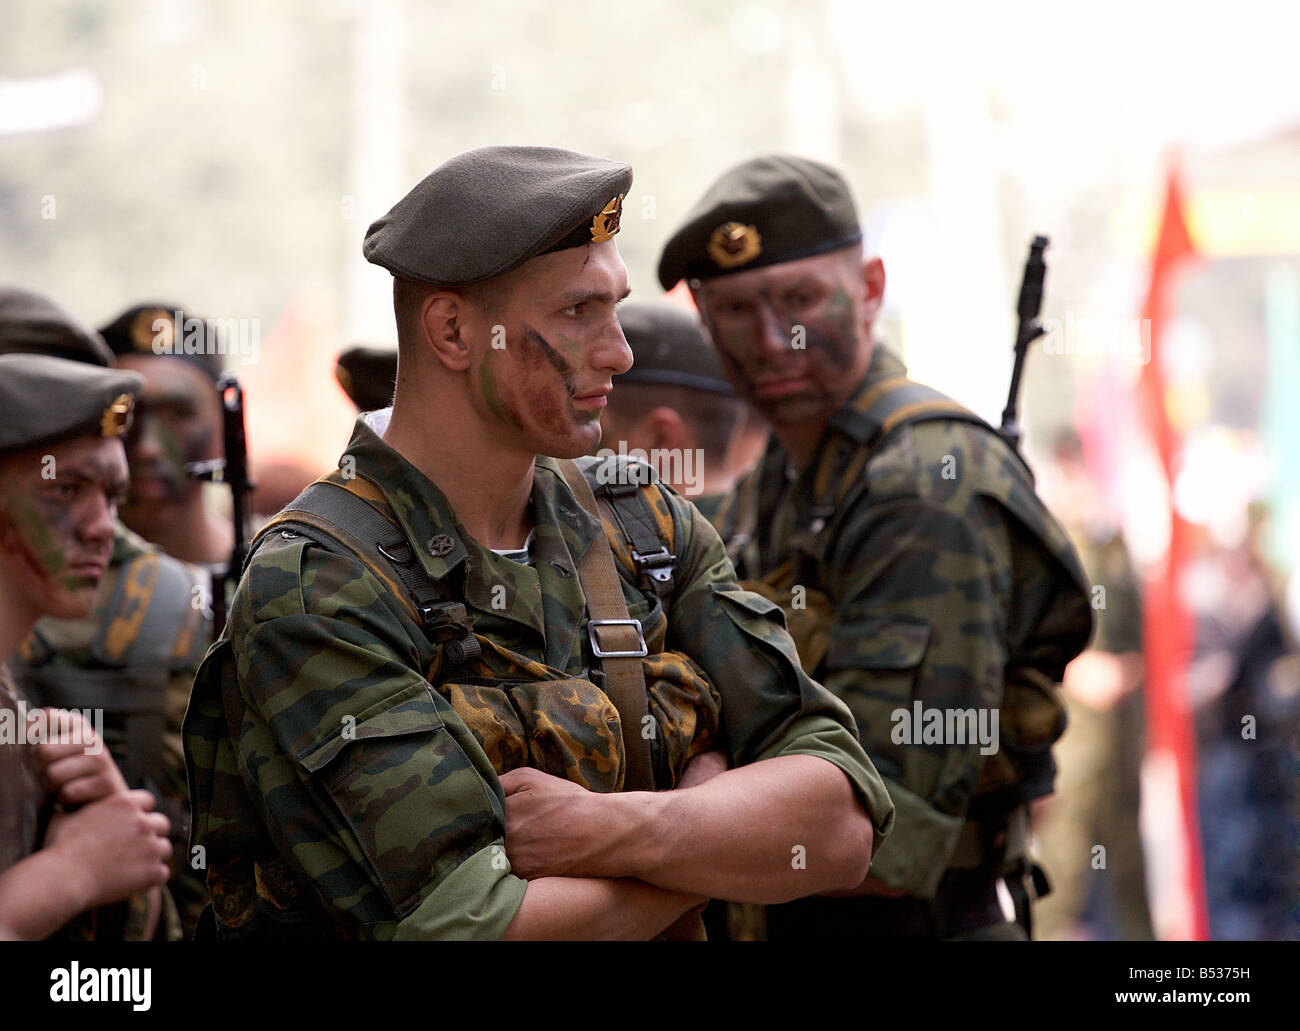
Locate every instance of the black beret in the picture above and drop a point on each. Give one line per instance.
(161, 329)
(668, 346)
(31, 323)
(44, 400)
(489, 210)
(768, 210)
(367, 375)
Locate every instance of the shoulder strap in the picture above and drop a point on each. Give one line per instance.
(895, 402)
(616, 639)
(647, 533)
(330, 515)
(887, 406)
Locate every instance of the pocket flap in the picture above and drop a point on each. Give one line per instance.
(415, 715)
(748, 600)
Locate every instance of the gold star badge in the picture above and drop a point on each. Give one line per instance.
(605, 225)
(143, 333)
(733, 244)
(117, 416)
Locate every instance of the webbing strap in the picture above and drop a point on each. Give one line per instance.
(651, 554)
(616, 639)
(332, 510)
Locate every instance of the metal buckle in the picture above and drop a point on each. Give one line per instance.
(397, 552)
(658, 564)
(602, 654)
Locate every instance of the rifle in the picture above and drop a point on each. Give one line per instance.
(233, 471)
(1027, 331)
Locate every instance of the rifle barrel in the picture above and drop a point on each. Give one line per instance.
(1028, 330)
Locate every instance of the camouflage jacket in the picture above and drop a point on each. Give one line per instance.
(134, 656)
(22, 793)
(345, 780)
(945, 585)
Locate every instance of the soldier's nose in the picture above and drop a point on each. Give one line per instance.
(613, 353)
(97, 526)
(772, 333)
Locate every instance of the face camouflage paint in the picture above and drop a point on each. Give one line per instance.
(491, 398)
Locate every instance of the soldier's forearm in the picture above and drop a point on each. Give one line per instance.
(768, 832)
(39, 895)
(569, 908)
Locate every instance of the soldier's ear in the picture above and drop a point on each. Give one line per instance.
(664, 427)
(440, 323)
(873, 282)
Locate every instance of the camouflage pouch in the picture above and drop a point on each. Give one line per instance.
(523, 713)
(687, 710)
(565, 727)
(1032, 719)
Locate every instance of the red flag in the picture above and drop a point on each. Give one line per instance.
(1167, 620)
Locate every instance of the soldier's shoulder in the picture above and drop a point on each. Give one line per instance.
(291, 574)
(966, 468)
(943, 461)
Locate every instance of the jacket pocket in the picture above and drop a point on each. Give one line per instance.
(886, 644)
(415, 804)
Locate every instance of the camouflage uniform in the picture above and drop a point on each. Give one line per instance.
(344, 772)
(135, 657)
(939, 579)
(22, 794)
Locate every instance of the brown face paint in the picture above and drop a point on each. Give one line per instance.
(57, 529)
(553, 414)
(177, 422)
(825, 360)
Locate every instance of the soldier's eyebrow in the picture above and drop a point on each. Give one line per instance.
(585, 296)
(169, 397)
(94, 473)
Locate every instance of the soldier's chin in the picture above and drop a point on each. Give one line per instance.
(72, 601)
(794, 410)
(582, 442)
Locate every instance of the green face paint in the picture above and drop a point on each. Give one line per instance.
(492, 399)
(571, 348)
(37, 529)
(839, 309)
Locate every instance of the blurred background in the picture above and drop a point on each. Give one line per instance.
(228, 155)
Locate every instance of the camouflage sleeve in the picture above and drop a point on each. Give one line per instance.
(366, 778)
(919, 600)
(770, 707)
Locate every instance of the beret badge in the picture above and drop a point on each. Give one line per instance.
(117, 416)
(733, 244)
(605, 224)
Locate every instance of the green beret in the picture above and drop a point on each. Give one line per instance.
(159, 328)
(44, 400)
(668, 346)
(768, 210)
(33, 324)
(367, 375)
(487, 211)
